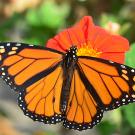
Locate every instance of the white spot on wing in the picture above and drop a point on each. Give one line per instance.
(18, 44)
(123, 66)
(132, 70)
(31, 45)
(8, 44)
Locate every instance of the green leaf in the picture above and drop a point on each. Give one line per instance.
(115, 117)
(130, 56)
(106, 128)
(34, 41)
(52, 14)
(32, 17)
(129, 114)
(105, 18)
(124, 28)
(49, 14)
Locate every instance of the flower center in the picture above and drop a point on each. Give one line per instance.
(88, 51)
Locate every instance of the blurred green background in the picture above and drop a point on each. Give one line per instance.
(35, 21)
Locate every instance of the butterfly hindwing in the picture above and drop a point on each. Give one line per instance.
(113, 83)
(40, 101)
(82, 110)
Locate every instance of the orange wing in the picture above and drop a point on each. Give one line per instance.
(19, 61)
(82, 110)
(112, 83)
(41, 100)
(28, 69)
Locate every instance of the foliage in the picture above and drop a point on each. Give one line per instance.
(106, 128)
(49, 14)
(129, 113)
(130, 56)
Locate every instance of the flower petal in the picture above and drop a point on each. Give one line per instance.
(85, 24)
(112, 47)
(61, 41)
(103, 41)
(115, 44)
(64, 40)
(97, 36)
(72, 36)
(116, 57)
(54, 44)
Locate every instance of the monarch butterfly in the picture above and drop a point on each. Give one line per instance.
(54, 86)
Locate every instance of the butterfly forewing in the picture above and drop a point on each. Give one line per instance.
(113, 83)
(21, 62)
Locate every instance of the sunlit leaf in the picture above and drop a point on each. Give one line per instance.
(129, 114)
(33, 18)
(106, 128)
(130, 56)
(54, 15)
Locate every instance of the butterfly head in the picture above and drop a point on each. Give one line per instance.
(71, 56)
(71, 53)
(73, 50)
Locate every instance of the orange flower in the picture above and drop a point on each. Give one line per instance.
(91, 40)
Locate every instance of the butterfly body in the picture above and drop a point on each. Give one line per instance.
(69, 64)
(54, 86)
